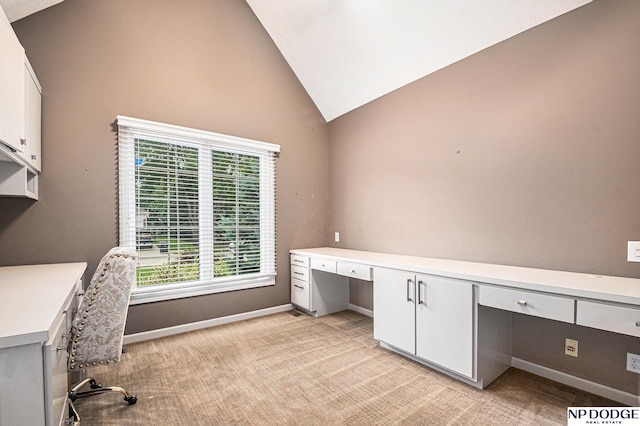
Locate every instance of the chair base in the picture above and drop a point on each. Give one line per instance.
(95, 389)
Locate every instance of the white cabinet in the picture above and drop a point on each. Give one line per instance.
(427, 316)
(20, 118)
(55, 358)
(31, 140)
(36, 309)
(11, 86)
(300, 282)
(316, 288)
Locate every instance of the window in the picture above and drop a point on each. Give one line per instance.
(199, 207)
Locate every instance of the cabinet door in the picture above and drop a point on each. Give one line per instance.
(394, 295)
(11, 86)
(444, 323)
(32, 119)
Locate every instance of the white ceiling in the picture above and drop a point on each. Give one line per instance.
(347, 53)
(18, 9)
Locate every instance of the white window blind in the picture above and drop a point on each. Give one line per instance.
(199, 207)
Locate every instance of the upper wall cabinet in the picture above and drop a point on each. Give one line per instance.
(11, 86)
(20, 118)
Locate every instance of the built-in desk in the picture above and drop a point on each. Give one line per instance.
(37, 304)
(429, 309)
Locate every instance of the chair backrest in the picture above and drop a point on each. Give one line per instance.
(98, 327)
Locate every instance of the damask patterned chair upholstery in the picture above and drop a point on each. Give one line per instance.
(98, 327)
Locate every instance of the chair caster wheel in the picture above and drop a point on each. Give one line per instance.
(131, 400)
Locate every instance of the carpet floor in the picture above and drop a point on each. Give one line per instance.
(299, 370)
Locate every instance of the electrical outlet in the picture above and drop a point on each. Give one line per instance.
(571, 347)
(633, 363)
(633, 251)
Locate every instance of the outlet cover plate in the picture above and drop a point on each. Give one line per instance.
(633, 251)
(571, 347)
(633, 362)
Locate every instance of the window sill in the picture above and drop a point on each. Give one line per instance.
(198, 288)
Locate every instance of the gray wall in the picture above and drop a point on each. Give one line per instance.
(206, 64)
(524, 154)
(527, 153)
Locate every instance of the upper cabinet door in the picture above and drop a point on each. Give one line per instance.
(32, 119)
(11, 86)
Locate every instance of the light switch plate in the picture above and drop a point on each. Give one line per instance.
(633, 251)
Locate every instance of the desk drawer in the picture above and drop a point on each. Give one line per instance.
(354, 270)
(298, 260)
(300, 293)
(614, 318)
(529, 303)
(299, 273)
(324, 265)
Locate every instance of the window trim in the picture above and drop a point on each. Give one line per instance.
(130, 129)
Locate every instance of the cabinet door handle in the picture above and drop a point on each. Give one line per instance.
(300, 287)
(23, 141)
(637, 323)
(420, 301)
(522, 302)
(409, 281)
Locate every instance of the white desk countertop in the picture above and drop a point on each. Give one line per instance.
(599, 287)
(31, 297)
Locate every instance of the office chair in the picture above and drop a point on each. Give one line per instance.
(97, 330)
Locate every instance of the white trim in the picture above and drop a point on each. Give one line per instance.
(577, 382)
(183, 328)
(361, 310)
(194, 134)
(132, 129)
(126, 190)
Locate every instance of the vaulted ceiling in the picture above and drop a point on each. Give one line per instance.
(347, 53)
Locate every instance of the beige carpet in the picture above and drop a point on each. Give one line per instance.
(286, 369)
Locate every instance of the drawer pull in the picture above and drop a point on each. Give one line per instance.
(637, 323)
(522, 302)
(353, 271)
(298, 261)
(300, 287)
(298, 273)
(61, 348)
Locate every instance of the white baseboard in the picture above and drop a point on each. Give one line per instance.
(361, 310)
(577, 382)
(183, 328)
